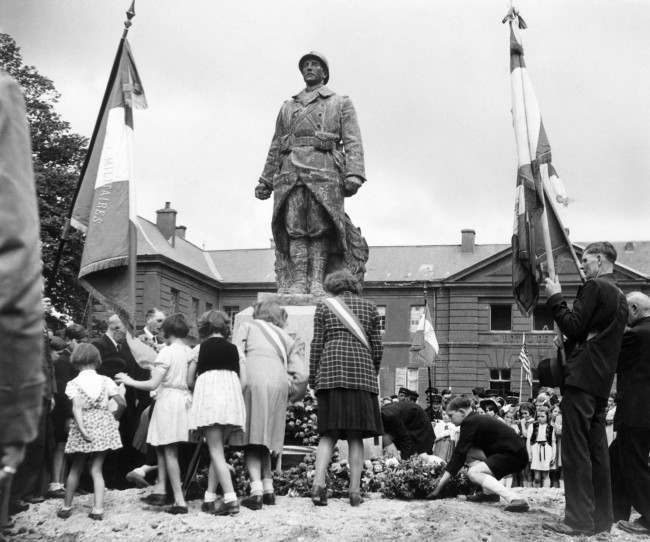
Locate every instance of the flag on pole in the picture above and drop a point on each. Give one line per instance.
(538, 185)
(425, 344)
(525, 362)
(105, 206)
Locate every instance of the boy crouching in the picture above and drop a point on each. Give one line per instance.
(486, 437)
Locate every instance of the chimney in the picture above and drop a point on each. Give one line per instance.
(467, 241)
(166, 222)
(180, 231)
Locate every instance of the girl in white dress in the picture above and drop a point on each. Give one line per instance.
(169, 423)
(94, 430)
(218, 404)
(541, 448)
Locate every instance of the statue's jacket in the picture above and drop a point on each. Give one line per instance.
(318, 145)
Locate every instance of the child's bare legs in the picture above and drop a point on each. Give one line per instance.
(98, 482)
(544, 479)
(72, 483)
(159, 487)
(538, 478)
(214, 438)
(58, 464)
(174, 473)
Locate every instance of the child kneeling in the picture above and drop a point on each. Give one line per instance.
(499, 447)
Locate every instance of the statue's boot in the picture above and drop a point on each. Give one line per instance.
(318, 253)
(299, 253)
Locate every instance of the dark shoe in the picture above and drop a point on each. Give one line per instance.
(55, 493)
(355, 498)
(483, 497)
(155, 499)
(208, 507)
(562, 528)
(227, 508)
(268, 498)
(517, 505)
(137, 479)
(633, 527)
(176, 509)
(253, 502)
(16, 507)
(64, 513)
(97, 516)
(319, 495)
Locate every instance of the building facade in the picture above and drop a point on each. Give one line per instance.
(467, 288)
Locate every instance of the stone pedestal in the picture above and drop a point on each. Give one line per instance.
(300, 323)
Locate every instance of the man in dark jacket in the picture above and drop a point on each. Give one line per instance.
(629, 451)
(407, 429)
(594, 330)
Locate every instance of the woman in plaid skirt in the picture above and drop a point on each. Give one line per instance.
(343, 369)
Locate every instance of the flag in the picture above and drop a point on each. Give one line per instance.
(533, 192)
(105, 207)
(425, 344)
(525, 363)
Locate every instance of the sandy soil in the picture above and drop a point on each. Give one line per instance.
(296, 519)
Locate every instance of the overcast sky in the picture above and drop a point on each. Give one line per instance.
(430, 83)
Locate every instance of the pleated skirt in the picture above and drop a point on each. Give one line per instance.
(345, 413)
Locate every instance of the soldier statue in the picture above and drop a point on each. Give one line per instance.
(315, 160)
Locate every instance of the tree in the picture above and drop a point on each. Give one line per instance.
(58, 155)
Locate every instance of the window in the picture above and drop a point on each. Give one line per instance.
(414, 319)
(381, 309)
(195, 308)
(406, 377)
(500, 317)
(542, 318)
(500, 381)
(208, 306)
(231, 311)
(175, 301)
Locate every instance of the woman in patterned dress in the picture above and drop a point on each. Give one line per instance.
(94, 430)
(343, 372)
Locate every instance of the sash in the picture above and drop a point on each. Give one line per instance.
(347, 318)
(274, 338)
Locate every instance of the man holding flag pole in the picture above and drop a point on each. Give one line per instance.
(594, 326)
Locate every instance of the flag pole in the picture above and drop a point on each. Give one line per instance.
(109, 85)
(521, 369)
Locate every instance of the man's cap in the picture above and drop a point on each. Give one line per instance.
(404, 391)
(414, 394)
(321, 58)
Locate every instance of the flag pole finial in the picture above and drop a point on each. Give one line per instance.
(129, 15)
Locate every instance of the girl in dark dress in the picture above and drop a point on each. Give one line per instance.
(343, 372)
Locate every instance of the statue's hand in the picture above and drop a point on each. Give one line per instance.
(351, 185)
(262, 191)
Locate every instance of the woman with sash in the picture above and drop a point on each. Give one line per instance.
(276, 372)
(344, 362)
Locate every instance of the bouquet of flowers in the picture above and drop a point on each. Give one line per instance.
(302, 422)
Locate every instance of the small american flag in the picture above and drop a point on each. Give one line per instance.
(525, 363)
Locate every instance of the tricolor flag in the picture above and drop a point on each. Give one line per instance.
(105, 206)
(525, 363)
(535, 190)
(425, 344)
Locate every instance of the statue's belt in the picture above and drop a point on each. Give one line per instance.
(322, 141)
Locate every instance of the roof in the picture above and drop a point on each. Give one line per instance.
(386, 263)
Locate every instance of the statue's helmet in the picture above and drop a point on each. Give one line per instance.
(321, 58)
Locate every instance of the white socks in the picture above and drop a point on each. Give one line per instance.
(230, 497)
(209, 497)
(267, 485)
(256, 488)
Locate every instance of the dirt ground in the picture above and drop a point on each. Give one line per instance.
(296, 519)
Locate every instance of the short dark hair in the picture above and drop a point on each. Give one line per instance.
(150, 313)
(458, 403)
(84, 355)
(176, 326)
(214, 321)
(76, 331)
(604, 248)
(341, 281)
(57, 344)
